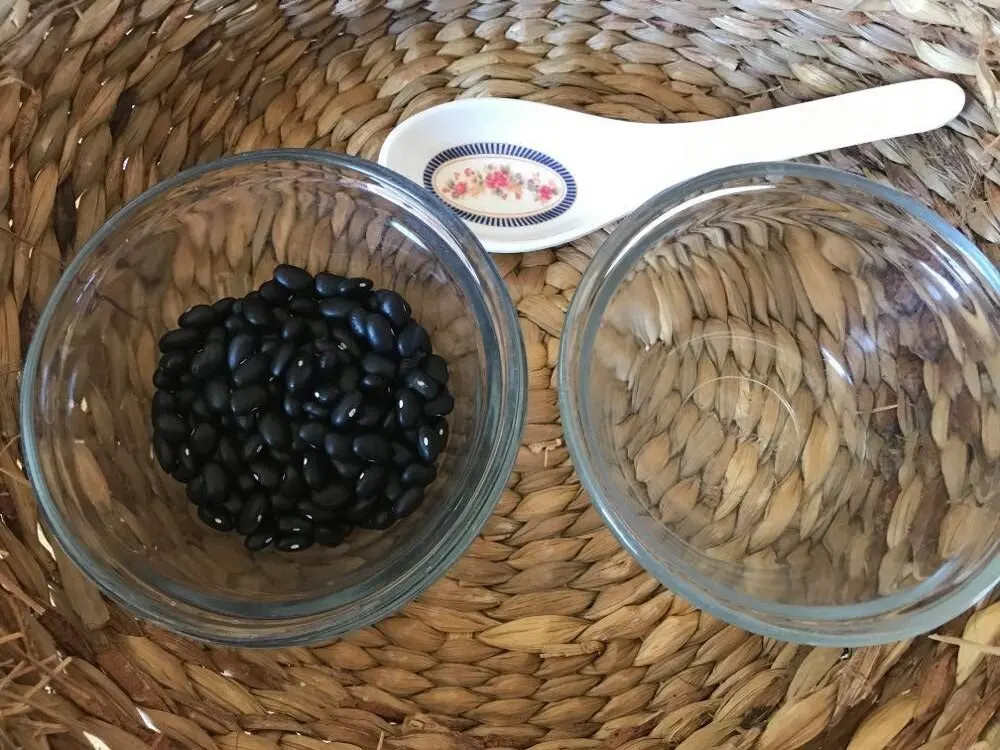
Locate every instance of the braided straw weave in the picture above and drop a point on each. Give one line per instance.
(546, 633)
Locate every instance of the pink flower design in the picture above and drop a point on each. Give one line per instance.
(503, 182)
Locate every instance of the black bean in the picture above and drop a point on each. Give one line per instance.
(321, 333)
(305, 308)
(253, 370)
(437, 368)
(410, 436)
(376, 364)
(174, 429)
(408, 407)
(348, 470)
(394, 307)
(180, 339)
(362, 507)
(199, 316)
(349, 379)
(294, 524)
(379, 331)
(283, 503)
(185, 398)
(372, 448)
(388, 424)
(257, 313)
(418, 475)
(187, 466)
(292, 406)
(274, 429)
(163, 379)
(216, 482)
(371, 415)
(174, 362)
(273, 293)
(267, 474)
(402, 456)
(357, 320)
(393, 486)
(216, 393)
(282, 456)
(227, 454)
(298, 445)
(329, 362)
(332, 496)
(253, 446)
(224, 306)
(259, 540)
(441, 405)
(293, 542)
(200, 410)
(299, 374)
(380, 520)
(294, 329)
(312, 433)
(408, 502)
(241, 347)
(166, 453)
(428, 443)
(248, 399)
(203, 439)
(316, 410)
(373, 384)
(208, 360)
(236, 325)
(371, 481)
(336, 308)
(218, 333)
(327, 284)
(246, 483)
(292, 483)
(315, 469)
(337, 445)
(270, 345)
(412, 339)
(293, 278)
(422, 384)
(357, 286)
(163, 402)
(195, 490)
(216, 517)
(440, 426)
(246, 422)
(308, 509)
(346, 409)
(326, 394)
(252, 514)
(233, 504)
(281, 357)
(328, 536)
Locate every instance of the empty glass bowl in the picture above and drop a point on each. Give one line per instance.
(219, 230)
(780, 387)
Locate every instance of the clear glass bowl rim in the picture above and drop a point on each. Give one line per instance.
(831, 625)
(374, 603)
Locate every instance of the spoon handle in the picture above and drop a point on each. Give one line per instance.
(835, 122)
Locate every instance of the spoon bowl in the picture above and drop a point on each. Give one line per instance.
(527, 176)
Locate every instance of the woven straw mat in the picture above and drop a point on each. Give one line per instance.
(546, 634)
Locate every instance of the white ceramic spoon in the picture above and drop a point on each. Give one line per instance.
(527, 176)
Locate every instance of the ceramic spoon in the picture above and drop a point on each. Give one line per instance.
(527, 176)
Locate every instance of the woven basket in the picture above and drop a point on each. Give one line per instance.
(546, 634)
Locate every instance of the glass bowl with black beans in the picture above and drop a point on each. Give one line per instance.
(273, 398)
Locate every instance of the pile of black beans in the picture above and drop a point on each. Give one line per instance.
(308, 408)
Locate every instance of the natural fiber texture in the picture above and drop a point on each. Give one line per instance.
(546, 633)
